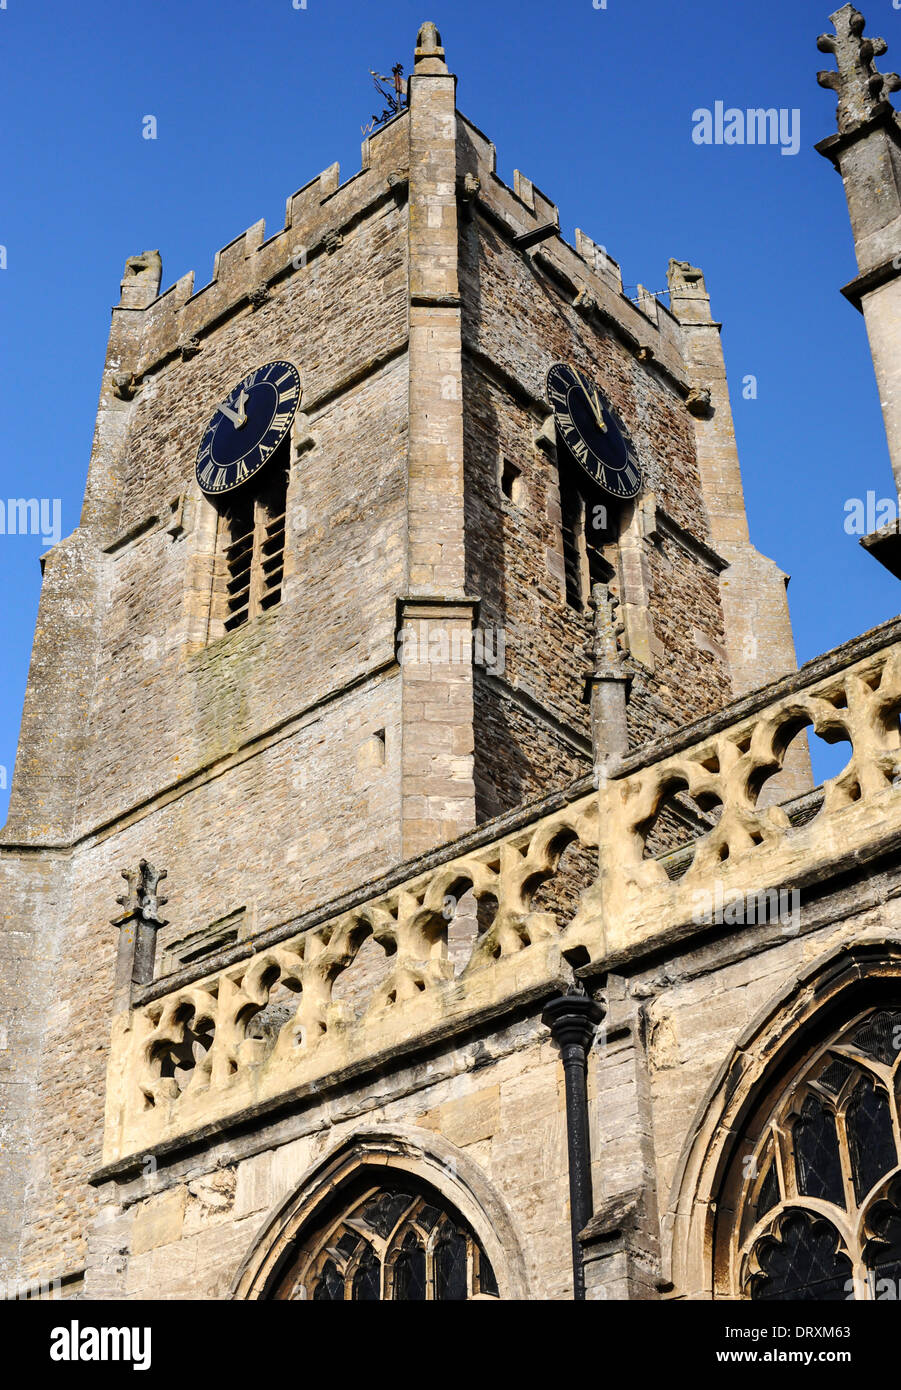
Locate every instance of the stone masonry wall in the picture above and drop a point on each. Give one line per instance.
(517, 322)
(263, 769)
(266, 770)
(346, 504)
(498, 1100)
(275, 833)
(695, 1009)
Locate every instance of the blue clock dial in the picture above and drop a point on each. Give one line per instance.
(248, 427)
(592, 432)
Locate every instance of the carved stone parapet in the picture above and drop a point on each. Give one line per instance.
(189, 1056)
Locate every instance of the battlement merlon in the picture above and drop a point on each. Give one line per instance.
(140, 284)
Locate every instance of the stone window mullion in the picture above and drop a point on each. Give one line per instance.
(256, 568)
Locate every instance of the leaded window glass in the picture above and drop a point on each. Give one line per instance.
(818, 1162)
(800, 1259)
(396, 1242)
(813, 1202)
(410, 1271)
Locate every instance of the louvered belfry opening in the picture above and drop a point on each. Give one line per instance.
(589, 521)
(250, 559)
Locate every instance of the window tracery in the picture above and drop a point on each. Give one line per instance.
(817, 1185)
(395, 1241)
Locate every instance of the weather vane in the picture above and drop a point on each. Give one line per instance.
(396, 98)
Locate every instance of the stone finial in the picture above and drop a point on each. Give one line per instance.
(429, 55)
(140, 284)
(130, 900)
(685, 278)
(862, 91)
(141, 898)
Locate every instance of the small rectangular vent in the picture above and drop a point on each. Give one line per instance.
(198, 945)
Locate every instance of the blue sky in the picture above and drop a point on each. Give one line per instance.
(593, 104)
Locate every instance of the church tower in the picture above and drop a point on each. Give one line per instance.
(400, 536)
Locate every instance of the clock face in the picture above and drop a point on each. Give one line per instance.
(592, 432)
(247, 427)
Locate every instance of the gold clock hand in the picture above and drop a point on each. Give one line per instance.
(594, 401)
(238, 417)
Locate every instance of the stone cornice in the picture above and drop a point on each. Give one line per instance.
(834, 146)
(857, 290)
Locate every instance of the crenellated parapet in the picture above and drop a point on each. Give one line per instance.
(273, 1021)
(319, 214)
(316, 218)
(591, 277)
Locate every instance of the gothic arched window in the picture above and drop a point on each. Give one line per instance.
(388, 1240)
(814, 1193)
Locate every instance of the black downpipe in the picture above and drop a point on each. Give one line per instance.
(573, 1021)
